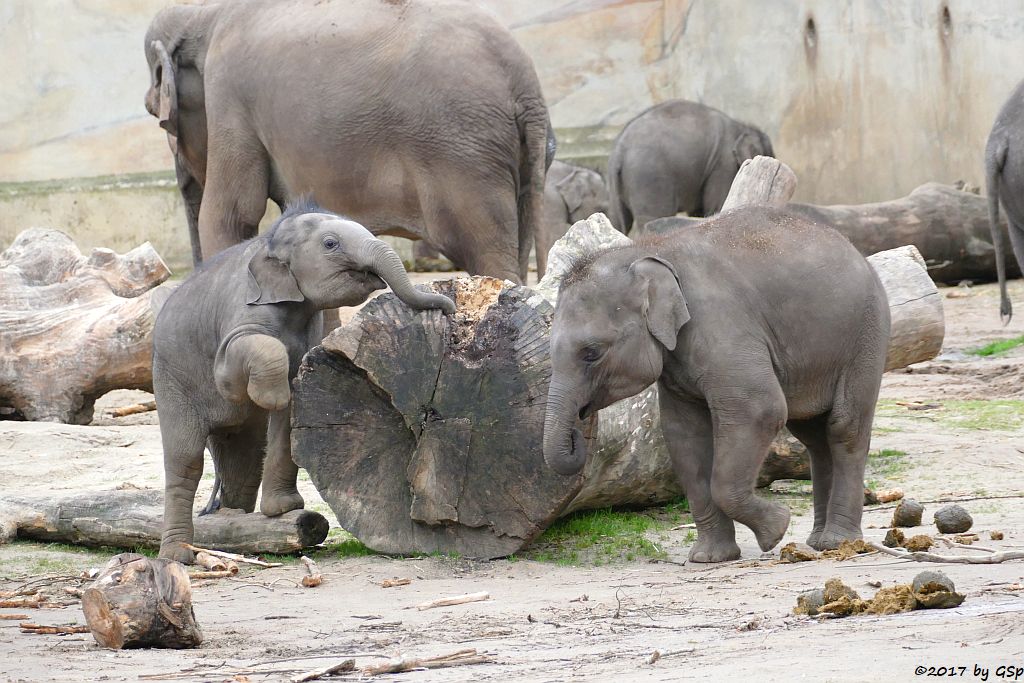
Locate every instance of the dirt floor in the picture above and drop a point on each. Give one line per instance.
(629, 620)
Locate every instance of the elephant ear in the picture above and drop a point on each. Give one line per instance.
(168, 91)
(571, 190)
(663, 305)
(747, 146)
(270, 280)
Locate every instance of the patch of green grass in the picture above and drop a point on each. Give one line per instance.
(34, 558)
(597, 537)
(1001, 414)
(879, 430)
(886, 464)
(997, 347)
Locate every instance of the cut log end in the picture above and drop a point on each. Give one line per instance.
(141, 602)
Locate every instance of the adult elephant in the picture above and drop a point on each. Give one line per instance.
(677, 156)
(415, 118)
(571, 193)
(1004, 175)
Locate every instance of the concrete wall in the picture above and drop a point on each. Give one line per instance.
(879, 97)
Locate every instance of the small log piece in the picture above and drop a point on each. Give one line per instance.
(313, 576)
(762, 180)
(137, 601)
(130, 519)
(73, 327)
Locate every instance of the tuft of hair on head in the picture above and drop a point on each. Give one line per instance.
(301, 205)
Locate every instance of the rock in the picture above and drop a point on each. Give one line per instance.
(995, 535)
(893, 600)
(894, 538)
(919, 543)
(810, 603)
(953, 519)
(935, 590)
(793, 552)
(907, 513)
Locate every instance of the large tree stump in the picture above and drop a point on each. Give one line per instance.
(423, 433)
(73, 327)
(132, 519)
(137, 601)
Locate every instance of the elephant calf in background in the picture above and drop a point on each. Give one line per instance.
(571, 193)
(748, 322)
(228, 342)
(1004, 175)
(677, 156)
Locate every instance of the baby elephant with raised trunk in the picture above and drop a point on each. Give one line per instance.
(228, 342)
(748, 322)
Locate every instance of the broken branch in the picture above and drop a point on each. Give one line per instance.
(994, 558)
(133, 409)
(347, 665)
(233, 556)
(460, 658)
(315, 578)
(454, 600)
(41, 629)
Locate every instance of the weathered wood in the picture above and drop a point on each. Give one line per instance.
(138, 601)
(762, 180)
(131, 519)
(73, 327)
(423, 432)
(915, 307)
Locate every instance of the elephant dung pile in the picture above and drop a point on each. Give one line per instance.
(930, 589)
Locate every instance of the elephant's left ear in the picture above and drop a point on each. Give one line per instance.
(664, 306)
(571, 189)
(270, 280)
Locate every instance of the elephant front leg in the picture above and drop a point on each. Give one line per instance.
(744, 428)
(688, 437)
(280, 473)
(183, 467)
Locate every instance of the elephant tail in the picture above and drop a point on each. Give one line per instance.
(618, 211)
(537, 148)
(995, 159)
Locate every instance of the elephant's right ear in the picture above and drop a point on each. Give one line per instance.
(571, 189)
(270, 280)
(664, 307)
(167, 91)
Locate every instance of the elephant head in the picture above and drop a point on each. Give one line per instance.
(616, 317)
(583, 193)
(750, 143)
(326, 261)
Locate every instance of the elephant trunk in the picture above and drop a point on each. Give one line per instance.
(382, 260)
(564, 449)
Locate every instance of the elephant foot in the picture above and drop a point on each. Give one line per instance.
(771, 526)
(815, 537)
(714, 550)
(832, 537)
(275, 504)
(176, 551)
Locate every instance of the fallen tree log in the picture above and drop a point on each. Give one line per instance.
(132, 519)
(947, 225)
(73, 327)
(423, 433)
(138, 601)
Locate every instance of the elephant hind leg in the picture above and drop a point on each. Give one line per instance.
(813, 433)
(184, 437)
(238, 459)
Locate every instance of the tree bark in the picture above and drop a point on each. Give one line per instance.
(137, 601)
(73, 327)
(132, 519)
(423, 433)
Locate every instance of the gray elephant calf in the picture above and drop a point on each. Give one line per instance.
(227, 343)
(677, 156)
(748, 322)
(571, 193)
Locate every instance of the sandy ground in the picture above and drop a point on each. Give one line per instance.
(551, 623)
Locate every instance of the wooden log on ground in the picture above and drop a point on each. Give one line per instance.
(73, 327)
(423, 433)
(131, 519)
(138, 601)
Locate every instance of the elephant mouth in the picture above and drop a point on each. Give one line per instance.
(586, 411)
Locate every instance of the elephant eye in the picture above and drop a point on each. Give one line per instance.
(592, 353)
(331, 243)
